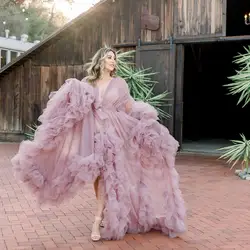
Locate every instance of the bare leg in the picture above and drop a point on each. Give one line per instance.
(98, 186)
(96, 183)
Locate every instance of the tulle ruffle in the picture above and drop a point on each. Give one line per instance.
(66, 107)
(134, 155)
(45, 165)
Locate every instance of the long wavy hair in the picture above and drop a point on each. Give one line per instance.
(95, 67)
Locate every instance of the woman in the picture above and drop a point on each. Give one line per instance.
(93, 131)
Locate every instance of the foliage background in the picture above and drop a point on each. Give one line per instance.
(37, 18)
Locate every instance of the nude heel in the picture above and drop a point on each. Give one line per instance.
(95, 235)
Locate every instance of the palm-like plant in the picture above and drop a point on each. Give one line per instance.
(32, 129)
(141, 85)
(241, 80)
(240, 150)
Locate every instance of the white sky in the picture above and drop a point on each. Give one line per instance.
(78, 7)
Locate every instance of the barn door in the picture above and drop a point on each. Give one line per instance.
(179, 81)
(161, 58)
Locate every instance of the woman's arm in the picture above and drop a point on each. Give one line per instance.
(137, 109)
(125, 97)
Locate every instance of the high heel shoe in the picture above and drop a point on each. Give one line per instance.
(95, 235)
(101, 224)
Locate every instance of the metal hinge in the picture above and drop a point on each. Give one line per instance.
(139, 42)
(171, 42)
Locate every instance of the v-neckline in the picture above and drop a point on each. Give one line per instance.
(105, 91)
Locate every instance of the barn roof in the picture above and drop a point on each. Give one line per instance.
(54, 36)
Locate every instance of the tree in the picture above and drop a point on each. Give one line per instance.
(10, 18)
(36, 18)
(7, 3)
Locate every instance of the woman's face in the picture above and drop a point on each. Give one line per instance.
(109, 62)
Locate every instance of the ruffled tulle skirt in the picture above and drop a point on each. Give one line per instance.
(140, 182)
(134, 156)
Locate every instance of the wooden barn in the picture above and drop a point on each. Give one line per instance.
(191, 43)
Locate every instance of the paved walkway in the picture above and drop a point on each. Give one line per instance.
(218, 213)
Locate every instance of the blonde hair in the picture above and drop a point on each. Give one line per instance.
(95, 67)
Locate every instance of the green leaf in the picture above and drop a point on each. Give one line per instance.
(240, 84)
(239, 151)
(141, 83)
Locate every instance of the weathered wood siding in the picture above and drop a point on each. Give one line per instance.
(51, 78)
(164, 10)
(24, 93)
(11, 101)
(199, 17)
(114, 23)
(24, 90)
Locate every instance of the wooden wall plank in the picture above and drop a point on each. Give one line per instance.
(36, 93)
(178, 112)
(199, 18)
(27, 109)
(2, 101)
(16, 99)
(61, 75)
(6, 108)
(161, 58)
(45, 86)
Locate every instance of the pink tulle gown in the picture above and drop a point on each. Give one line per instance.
(82, 137)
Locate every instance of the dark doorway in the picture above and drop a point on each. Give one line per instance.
(236, 9)
(208, 111)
